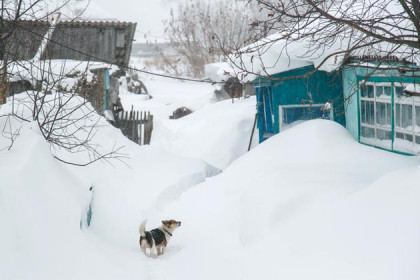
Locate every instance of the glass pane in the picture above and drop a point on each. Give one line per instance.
(399, 91)
(381, 113)
(388, 114)
(363, 91)
(363, 111)
(369, 89)
(418, 116)
(383, 134)
(387, 91)
(417, 139)
(404, 136)
(379, 91)
(301, 113)
(368, 132)
(370, 114)
(398, 115)
(406, 116)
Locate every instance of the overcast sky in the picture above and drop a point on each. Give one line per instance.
(148, 14)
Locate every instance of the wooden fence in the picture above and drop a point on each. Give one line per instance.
(136, 126)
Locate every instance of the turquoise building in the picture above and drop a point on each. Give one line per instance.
(297, 95)
(368, 96)
(379, 111)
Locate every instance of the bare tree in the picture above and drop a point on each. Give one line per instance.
(339, 29)
(194, 27)
(65, 118)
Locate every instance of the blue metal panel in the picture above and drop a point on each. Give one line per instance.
(106, 93)
(297, 87)
(264, 112)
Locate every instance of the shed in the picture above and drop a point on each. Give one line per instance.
(296, 95)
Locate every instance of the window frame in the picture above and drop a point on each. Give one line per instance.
(413, 102)
(413, 145)
(281, 107)
(375, 126)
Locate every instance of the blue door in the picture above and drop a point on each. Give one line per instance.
(265, 112)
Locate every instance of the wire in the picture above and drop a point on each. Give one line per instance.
(95, 58)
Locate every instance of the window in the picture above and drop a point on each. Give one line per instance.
(376, 114)
(407, 122)
(391, 122)
(294, 114)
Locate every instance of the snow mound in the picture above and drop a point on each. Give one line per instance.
(219, 133)
(311, 198)
(44, 203)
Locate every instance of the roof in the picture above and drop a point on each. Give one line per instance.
(99, 40)
(303, 44)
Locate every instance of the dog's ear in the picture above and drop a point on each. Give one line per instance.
(165, 222)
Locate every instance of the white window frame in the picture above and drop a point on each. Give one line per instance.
(413, 102)
(375, 126)
(393, 102)
(281, 107)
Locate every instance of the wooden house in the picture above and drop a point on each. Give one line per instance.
(297, 95)
(380, 111)
(369, 95)
(65, 41)
(83, 40)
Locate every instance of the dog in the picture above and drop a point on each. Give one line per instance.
(158, 238)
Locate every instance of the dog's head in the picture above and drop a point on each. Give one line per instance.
(171, 224)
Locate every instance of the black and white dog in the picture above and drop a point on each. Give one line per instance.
(157, 238)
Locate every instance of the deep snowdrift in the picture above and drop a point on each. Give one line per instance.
(309, 203)
(306, 204)
(216, 132)
(42, 203)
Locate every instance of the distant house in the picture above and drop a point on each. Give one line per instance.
(82, 39)
(85, 40)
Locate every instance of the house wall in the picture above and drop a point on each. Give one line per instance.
(75, 40)
(354, 76)
(26, 39)
(293, 88)
(94, 41)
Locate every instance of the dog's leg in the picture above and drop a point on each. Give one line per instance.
(162, 250)
(153, 251)
(144, 250)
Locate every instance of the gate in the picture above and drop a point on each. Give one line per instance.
(135, 125)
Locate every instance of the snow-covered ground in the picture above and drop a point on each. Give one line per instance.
(309, 203)
(217, 132)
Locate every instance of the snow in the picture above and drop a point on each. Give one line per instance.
(279, 53)
(61, 71)
(186, 136)
(414, 88)
(308, 203)
(219, 71)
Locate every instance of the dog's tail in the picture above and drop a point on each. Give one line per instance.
(142, 228)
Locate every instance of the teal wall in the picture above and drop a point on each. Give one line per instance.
(352, 75)
(290, 88)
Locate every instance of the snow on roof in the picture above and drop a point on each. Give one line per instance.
(286, 51)
(279, 53)
(219, 71)
(65, 72)
(412, 88)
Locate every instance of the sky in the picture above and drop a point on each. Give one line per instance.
(148, 14)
